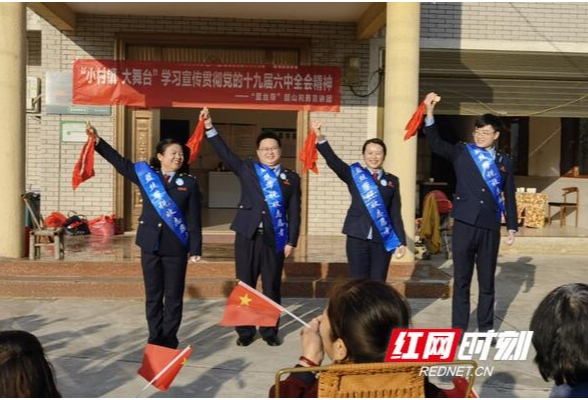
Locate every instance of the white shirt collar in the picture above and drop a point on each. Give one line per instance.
(380, 172)
(277, 169)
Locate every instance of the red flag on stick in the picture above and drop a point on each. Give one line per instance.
(161, 365)
(309, 154)
(84, 168)
(195, 141)
(246, 306)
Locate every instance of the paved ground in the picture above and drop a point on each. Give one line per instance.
(96, 346)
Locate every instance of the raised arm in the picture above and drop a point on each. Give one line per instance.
(123, 165)
(220, 147)
(340, 167)
(437, 145)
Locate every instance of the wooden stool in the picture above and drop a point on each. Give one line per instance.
(42, 236)
(48, 237)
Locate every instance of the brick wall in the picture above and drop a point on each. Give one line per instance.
(510, 21)
(50, 162)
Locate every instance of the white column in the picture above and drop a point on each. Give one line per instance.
(12, 131)
(402, 88)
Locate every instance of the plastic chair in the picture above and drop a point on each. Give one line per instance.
(42, 236)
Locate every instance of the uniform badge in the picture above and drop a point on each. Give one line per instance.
(180, 182)
(384, 182)
(283, 175)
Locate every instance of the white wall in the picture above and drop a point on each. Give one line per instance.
(544, 173)
(544, 146)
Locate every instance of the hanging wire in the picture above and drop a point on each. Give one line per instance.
(380, 72)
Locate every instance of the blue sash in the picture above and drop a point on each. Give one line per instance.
(372, 199)
(163, 204)
(490, 173)
(273, 197)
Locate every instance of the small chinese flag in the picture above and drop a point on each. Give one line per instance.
(246, 306)
(195, 141)
(309, 154)
(161, 365)
(84, 168)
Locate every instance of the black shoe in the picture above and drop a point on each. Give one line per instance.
(244, 341)
(273, 341)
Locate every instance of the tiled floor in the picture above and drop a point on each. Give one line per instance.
(96, 346)
(219, 246)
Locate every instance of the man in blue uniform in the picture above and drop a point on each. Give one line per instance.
(267, 223)
(485, 192)
(169, 231)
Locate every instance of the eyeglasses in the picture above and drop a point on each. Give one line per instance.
(268, 149)
(483, 133)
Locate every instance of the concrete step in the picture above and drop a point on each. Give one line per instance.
(317, 270)
(547, 245)
(110, 280)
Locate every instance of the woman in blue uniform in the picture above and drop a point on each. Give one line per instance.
(373, 224)
(169, 231)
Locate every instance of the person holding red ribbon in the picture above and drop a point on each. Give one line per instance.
(485, 192)
(169, 231)
(373, 225)
(267, 223)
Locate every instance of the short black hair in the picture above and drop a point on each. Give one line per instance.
(490, 119)
(560, 326)
(374, 141)
(268, 135)
(160, 149)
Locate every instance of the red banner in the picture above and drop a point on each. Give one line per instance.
(170, 84)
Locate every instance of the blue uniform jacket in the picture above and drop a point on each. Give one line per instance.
(153, 234)
(473, 202)
(252, 208)
(358, 221)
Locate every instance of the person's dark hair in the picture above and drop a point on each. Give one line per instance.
(374, 141)
(24, 370)
(363, 313)
(268, 135)
(560, 326)
(490, 119)
(160, 149)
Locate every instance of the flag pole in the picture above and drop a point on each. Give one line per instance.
(164, 370)
(278, 306)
